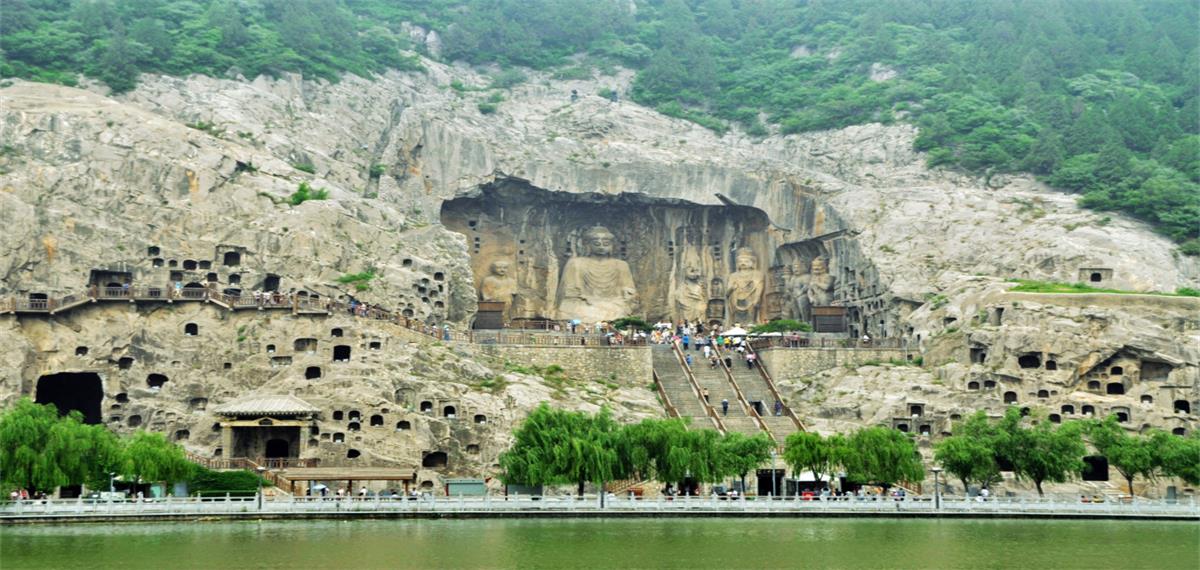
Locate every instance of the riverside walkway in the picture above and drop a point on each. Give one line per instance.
(83, 510)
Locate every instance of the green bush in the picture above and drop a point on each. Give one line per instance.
(305, 193)
(377, 170)
(780, 326)
(305, 167)
(508, 78)
(632, 322)
(487, 108)
(208, 483)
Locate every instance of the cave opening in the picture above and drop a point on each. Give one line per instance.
(67, 391)
(435, 460)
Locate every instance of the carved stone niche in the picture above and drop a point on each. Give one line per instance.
(593, 257)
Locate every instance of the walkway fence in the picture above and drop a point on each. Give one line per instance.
(1186, 509)
(813, 341)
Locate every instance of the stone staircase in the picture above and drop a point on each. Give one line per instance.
(755, 388)
(679, 390)
(714, 379)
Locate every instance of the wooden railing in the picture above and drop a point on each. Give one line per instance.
(806, 341)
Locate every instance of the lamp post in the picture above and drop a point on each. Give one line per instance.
(111, 485)
(937, 491)
(774, 454)
(260, 469)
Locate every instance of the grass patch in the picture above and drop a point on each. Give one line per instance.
(553, 375)
(361, 281)
(1030, 286)
(305, 167)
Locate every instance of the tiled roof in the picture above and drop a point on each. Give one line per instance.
(267, 406)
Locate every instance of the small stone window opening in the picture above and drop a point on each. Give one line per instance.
(231, 258)
(1068, 409)
(1096, 278)
(1116, 371)
(375, 345)
(308, 345)
(354, 426)
(406, 263)
(916, 410)
(972, 385)
(123, 398)
(172, 263)
(1055, 419)
(339, 437)
(439, 276)
(335, 332)
(205, 264)
(480, 419)
(989, 384)
(312, 372)
(902, 427)
(376, 420)
(156, 381)
(448, 411)
(1116, 388)
(270, 348)
(125, 363)
(227, 365)
(352, 453)
(426, 406)
(235, 279)
(1088, 410)
(1043, 393)
(81, 351)
(1093, 385)
(1010, 397)
(191, 329)
(354, 416)
(473, 449)
(1051, 365)
(1179, 431)
(156, 262)
(1147, 399)
(153, 251)
(341, 353)
(1029, 361)
(176, 276)
(1182, 406)
(135, 421)
(189, 265)
(337, 415)
(1122, 417)
(978, 355)
(198, 403)
(211, 278)
(181, 435)
(403, 425)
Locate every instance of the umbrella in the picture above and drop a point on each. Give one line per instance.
(735, 331)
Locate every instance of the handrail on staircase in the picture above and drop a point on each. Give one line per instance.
(762, 370)
(672, 411)
(742, 397)
(687, 371)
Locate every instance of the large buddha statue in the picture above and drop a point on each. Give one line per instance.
(692, 299)
(745, 289)
(797, 288)
(499, 285)
(596, 287)
(820, 284)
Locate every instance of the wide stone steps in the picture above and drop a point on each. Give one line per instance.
(676, 385)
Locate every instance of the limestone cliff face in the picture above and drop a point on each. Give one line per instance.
(162, 183)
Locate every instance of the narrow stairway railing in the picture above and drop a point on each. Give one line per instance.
(766, 376)
(696, 389)
(742, 397)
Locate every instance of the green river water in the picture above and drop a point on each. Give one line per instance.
(613, 543)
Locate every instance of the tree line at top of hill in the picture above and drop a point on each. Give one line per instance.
(1102, 99)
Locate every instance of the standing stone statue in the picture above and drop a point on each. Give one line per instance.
(820, 284)
(596, 287)
(499, 285)
(797, 288)
(692, 299)
(745, 289)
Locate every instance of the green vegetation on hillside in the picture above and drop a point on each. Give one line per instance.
(1030, 286)
(1101, 100)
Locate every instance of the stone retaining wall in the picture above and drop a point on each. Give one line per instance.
(797, 363)
(630, 366)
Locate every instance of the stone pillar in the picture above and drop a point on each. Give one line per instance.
(226, 440)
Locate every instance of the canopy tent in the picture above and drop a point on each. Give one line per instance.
(735, 331)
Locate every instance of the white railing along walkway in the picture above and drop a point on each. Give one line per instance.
(1186, 508)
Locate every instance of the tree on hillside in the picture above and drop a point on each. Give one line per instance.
(557, 446)
(149, 457)
(1043, 452)
(1180, 456)
(1131, 455)
(643, 447)
(970, 453)
(808, 451)
(882, 456)
(41, 450)
(695, 455)
(741, 453)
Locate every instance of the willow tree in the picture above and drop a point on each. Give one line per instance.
(1042, 452)
(741, 453)
(557, 446)
(808, 451)
(694, 455)
(1180, 455)
(644, 446)
(970, 453)
(882, 456)
(41, 450)
(1131, 455)
(150, 457)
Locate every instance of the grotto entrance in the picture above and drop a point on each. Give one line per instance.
(81, 391)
